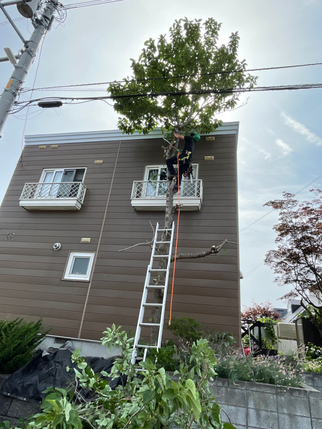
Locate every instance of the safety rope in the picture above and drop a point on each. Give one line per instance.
(176, 247)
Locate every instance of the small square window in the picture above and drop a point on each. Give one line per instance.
(79, 266)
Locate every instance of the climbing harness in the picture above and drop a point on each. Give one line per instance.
(185, 155)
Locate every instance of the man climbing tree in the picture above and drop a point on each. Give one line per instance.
(183, 158)
(180, 82)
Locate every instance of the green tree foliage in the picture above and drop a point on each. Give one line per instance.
(189, 62)
(187, 329)
(150, 399)
(18, 341)
(297, 261)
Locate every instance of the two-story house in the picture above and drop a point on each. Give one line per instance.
(76, 200)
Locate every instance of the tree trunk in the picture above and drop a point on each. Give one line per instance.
(162, 249)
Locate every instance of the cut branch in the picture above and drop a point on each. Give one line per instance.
(214, 249)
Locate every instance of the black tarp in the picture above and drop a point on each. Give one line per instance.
(49, 370)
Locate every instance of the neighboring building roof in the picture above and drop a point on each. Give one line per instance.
(96, 136)
(291, 317)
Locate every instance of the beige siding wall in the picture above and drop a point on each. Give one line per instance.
(31, 271)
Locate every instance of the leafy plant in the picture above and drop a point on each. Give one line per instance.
(187, 329)
(150, 399)
(313, 351)
(278, 370)
(18, 341)
(181, 77)
(297, 261)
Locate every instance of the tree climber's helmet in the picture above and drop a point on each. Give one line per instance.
(195, 136)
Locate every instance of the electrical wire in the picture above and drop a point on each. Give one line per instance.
(173, 77)
(89, 3)
(228, 91)
(270, 213)
(36, 73)
(62, 9)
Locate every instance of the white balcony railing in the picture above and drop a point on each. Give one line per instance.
(151, 194)
(53, 196)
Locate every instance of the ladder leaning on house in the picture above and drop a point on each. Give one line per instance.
(162, 237)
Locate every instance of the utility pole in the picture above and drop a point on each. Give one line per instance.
(42, 25)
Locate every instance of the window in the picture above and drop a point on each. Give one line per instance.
(156, 176)
(79, 266)
(61, 183)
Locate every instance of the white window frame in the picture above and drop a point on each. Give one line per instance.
(155, 188)
(195, 168)
(70, 264)
(53, 188)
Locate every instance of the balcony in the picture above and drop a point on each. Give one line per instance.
(53, 196)
(151, 195)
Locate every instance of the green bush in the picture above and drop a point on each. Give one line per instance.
(279, 370)
(187, 329)
(18, 341)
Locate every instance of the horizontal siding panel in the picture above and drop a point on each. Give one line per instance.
(45, 305)
(67, 289)
(62, 300)
(25, 280)
(68, 315)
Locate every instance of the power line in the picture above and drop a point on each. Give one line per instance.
(73, 6)
(270, 213)
(89, 3)
(228, 91)
(174, 77)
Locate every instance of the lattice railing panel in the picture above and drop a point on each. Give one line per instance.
(52, 191)
(158, 189)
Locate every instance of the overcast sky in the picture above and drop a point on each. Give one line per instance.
(280, 135)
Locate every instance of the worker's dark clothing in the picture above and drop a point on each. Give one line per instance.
(184, 158)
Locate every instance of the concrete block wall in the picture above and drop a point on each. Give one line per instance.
(263, 406)
(313, 380)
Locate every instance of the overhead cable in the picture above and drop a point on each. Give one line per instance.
(172, 77)
(228, 91)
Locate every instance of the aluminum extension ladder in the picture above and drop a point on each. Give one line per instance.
(150, 286)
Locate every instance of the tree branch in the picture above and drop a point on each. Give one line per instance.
(214, 249)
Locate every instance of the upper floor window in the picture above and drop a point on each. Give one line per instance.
(57, 189)
(61, 182)
(150, 193)
(156, 177)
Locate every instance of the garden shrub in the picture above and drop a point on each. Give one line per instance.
(18, 341)
(278, 370)
(313, 361)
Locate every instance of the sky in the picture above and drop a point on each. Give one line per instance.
(280, 132)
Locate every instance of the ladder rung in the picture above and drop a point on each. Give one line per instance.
(162, 256)
(149, 324)
(146, 347)
(158, 269)
(155, 286)
(165, 242)
(165, 229)
(152, 304)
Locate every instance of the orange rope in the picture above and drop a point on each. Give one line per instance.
(176, 248)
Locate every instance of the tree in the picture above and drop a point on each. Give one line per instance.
(297, 261)
(179, 83)
(258, 311)
(181, 80)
